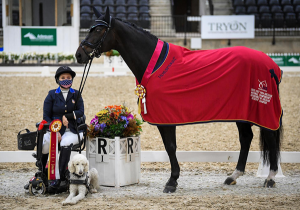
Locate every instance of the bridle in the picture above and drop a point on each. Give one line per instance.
(96, 46)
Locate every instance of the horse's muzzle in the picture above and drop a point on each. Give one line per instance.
(81, 57)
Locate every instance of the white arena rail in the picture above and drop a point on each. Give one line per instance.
(96, 70)
(161, 156)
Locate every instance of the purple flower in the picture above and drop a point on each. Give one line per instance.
(102, 127)
(97, 127)
(125, 126)
(94, 121)
(130, 116)
(123, 118)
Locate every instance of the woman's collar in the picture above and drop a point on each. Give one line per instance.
(58, 90)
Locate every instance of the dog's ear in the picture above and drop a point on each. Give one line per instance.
(71, 166)
(86, 167)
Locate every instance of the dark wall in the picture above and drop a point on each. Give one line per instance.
(189, 7)
(43, 12)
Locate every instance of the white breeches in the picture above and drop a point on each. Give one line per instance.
(66, 140)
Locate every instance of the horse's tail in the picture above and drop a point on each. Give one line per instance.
(265, 145)
(266, 136)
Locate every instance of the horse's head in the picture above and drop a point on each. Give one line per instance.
(99, 38)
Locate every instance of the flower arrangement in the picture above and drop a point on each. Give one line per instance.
(114, 121)
(112, 53)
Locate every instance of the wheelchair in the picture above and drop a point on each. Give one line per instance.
(39, 184)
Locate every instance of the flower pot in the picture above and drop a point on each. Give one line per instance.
(118, 160)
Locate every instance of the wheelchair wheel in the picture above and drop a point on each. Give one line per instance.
(41, 189)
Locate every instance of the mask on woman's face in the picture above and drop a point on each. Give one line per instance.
(66, 83)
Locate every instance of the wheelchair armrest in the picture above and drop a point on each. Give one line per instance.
(46, 126)
(82, 127)
(81, 120)
(81, 146)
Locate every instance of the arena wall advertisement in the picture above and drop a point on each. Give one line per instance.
(227, 27)
(38, 36)
(286, 60)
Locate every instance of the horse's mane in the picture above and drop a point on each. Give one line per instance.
(147, 33)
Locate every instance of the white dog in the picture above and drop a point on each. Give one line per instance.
(79, 172)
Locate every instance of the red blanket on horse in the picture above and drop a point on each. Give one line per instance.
(227, 84)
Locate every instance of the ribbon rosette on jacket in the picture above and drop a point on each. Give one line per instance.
(53, 171)
(140, 91)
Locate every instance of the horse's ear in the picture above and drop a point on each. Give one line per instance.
(107, 15)
(97, 13)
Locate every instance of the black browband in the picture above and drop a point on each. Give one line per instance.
(97, 46)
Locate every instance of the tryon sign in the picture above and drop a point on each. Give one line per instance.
(227, 27)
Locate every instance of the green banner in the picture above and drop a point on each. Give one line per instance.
(286, 60)
(293, 60)
(38, 36)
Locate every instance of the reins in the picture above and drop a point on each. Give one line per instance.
(95, 53)
(84, 77)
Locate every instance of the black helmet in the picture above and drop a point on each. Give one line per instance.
(64, 69)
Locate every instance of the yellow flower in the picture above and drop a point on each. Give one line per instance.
(124, 107)
(102, 112)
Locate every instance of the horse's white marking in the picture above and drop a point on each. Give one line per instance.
(272, 175)
(236, 174)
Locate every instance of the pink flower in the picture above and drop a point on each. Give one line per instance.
(130, 116)
(94, 121)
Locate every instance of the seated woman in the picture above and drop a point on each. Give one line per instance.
(60, 104)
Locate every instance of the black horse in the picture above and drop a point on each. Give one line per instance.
(136, 47)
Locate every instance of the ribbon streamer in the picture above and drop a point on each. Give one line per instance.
(53, 170)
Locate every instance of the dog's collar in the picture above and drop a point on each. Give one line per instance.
(78, 176)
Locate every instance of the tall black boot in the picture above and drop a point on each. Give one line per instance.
(64, 158)
(45, 172)
(44, 161)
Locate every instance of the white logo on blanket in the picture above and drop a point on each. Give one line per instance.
(261, 94)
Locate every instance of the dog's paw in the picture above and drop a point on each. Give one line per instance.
(65, 203)
(72, 202)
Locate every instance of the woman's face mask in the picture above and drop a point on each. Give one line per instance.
(65, 80)
(65, 83)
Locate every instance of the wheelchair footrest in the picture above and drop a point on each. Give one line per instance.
(34, 155)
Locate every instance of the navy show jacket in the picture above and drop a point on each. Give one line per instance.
(55, 106)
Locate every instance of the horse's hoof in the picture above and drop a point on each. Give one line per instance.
(170, 186)
(230, 181)
(269, 183)
(169, 189)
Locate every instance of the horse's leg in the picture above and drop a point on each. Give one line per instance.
(168, 134)
(270, 147)
(245, 137)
